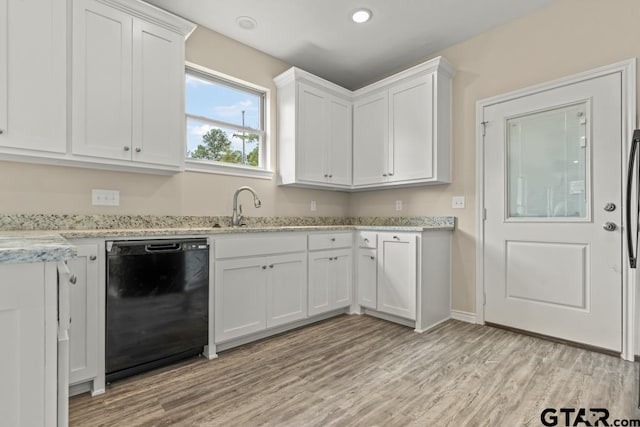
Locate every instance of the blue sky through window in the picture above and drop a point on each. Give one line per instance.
(222, 103)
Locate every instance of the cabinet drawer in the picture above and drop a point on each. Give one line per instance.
(275, 243)
(330, 241)
(367, 239)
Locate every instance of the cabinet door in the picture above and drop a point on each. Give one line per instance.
(33, 75)
(370, 139)
(101, 99)
(340, 147)
(367, 273)
(397, 276)
(411, 130)
(83, 333)
(286, 289)
(320, 292)
(342, 273)
(158, 95)
(25, 335)
(312, 134)
(240, 297)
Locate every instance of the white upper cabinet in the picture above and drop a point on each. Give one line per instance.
(395, 132)
(314, 131)
(411, 143)
(33, 79)
(128, 83)
(371, 139)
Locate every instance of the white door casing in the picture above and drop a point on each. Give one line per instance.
(514, 248)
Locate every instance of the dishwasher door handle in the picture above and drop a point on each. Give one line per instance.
(162, 247)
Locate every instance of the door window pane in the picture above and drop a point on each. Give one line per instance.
(547, 164)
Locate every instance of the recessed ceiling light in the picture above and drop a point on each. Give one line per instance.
(246, 22)
(361, 16)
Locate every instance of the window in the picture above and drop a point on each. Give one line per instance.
(225, 122)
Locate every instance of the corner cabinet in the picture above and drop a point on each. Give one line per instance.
(392, 133)
(402, 129)
(314, 126)
(33, 79)
(128, 84)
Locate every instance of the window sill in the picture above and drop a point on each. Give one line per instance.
(227, 169)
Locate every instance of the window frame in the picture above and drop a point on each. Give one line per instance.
(263, 170)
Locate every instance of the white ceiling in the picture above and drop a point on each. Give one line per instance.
(319, 36)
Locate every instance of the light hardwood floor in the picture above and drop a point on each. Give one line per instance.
(358, 370)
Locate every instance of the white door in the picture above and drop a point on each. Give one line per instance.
(371, 139)
(341, 278)
(319, 283)
(411, 130)
(312, 134)
(397, 274)
(367, 268)
(552, 167)
(240, 297)
(339, 150)
(286, 289)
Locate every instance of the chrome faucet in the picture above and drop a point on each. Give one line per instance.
(237, 212)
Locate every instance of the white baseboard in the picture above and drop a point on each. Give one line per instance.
(463, 316)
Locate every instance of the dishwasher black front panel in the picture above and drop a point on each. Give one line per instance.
(157, 303)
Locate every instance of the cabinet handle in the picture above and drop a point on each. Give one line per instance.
(126, 148)
(270, 265)
(390, 174)
(384, 174)
(73, 279)
(93, 257)
(396, 237)
(330, 175)
(333, 239)
(138, 149)
(373, 257)
(366, 240)
(1, 131)
(326, 175)
(264, 267)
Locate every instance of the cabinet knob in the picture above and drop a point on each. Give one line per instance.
(330, 175)
(126, 148)
(366, 240)
(264, 267)
(396, 237)
(333, 239)
(384, 174)
(390, 174)
(1, 131)
(73, 279)
(138, 149)
(372, 257)
(326, 175)
(270, 265)
(93, 257)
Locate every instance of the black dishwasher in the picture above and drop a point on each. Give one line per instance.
(157, 303)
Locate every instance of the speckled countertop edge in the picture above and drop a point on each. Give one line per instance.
(19, 248)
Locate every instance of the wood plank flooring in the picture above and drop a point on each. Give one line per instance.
(363, 371)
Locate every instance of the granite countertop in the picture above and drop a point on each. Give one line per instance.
(24, 243)
(21, 247)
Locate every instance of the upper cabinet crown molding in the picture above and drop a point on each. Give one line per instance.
(393, 133)
(154, 15)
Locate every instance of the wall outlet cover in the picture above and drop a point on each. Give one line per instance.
(105, 197)
(398, 205)
(313, 206)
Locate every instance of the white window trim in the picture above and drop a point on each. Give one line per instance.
(222, 168)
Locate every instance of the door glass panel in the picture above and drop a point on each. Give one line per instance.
(547, 164)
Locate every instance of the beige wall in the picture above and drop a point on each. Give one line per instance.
(567, 37)
(27, 188)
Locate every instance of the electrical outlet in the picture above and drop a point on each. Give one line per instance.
(105, 197)
(457, 202)
(398, 205)
(313, 206)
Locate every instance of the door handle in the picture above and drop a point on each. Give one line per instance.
(609, 226)
(633, 249)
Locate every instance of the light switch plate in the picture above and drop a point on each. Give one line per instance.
(457, 202)
(313, 206)
(398, 205)
(105, 197)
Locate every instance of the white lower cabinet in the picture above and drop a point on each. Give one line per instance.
(397, 274)
(330, 281)
(367, 269)
(85, 309)
(405, 276)
(28, 358)
(252, 294)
